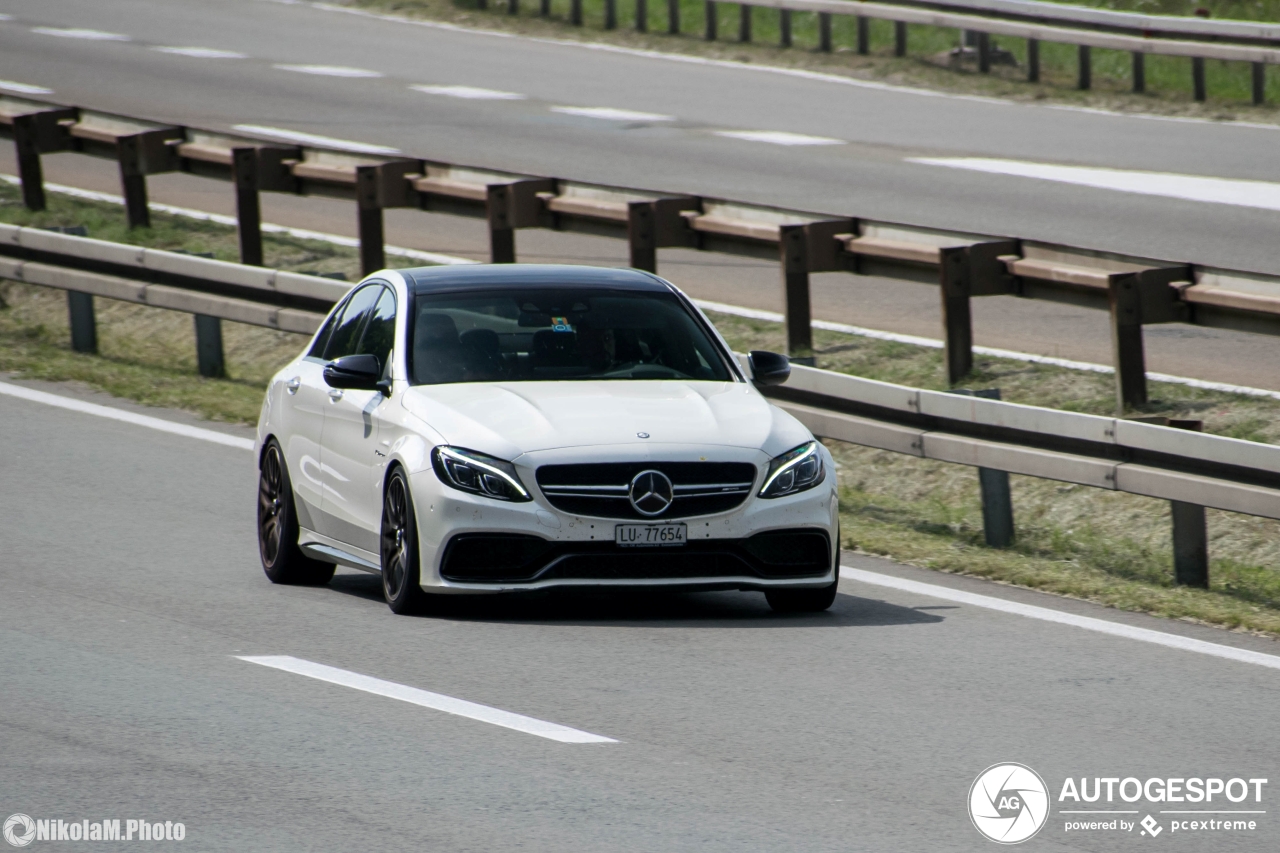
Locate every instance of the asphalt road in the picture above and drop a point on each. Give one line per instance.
(131, 582)
(868, 176)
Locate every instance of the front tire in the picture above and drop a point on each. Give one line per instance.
(282, 559)
(399, 548)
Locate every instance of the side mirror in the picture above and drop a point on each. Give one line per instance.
(358, 372)
(769, 368)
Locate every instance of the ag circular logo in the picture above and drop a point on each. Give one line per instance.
(1008, 803)
(19, 830)
(651, 493)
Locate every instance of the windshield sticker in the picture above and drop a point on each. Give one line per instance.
(560, 324)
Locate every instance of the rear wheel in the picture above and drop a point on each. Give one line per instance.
(399, 547)
(282, 559)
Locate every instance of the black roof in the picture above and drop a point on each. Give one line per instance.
(490, 276)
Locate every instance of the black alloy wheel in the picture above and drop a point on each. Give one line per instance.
(399, 548)
(282, 559)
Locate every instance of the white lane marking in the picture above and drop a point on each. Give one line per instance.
(1241, 193)
(316, 139)
(778, 137)
(611, 114)
(74, 33)
(147, 421)
(1031, 611)
(427, 699)
(933, 343)
(268, 227)
(24, 88)
(470, 93)
(201, 52)
(330, 70)
(798, 73)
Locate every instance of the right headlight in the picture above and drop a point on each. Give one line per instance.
(478, 473)
(794, 471)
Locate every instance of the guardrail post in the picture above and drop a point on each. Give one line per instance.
(984, 53)
(84, 326)
(35, 134)
(610, 14)
(673, 17)
(513, 7)
(1084, 74)
(1138, 298)
(811, 247)
(139, 155)
(795, 290)
(964, 272)
(502, 237)
(1259, 83)
(1033, 61)
(1190, 545)
(824, 32)
(1139, 72)
(709, 13)
(209, 357)
(369, 223)
(1197, 77)
(784, 27)
(642, 16)
(997, 500)
(1190, 533)
(575, 13)
(544, 8)
(244, 173)
(864, 35)
(744, 22)
(899, 38)
(655, 224)
(641, 237)
(1126, 342)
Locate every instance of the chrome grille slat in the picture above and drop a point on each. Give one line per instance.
(602, 489)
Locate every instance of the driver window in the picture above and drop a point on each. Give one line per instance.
(380, 333)
(346, 334)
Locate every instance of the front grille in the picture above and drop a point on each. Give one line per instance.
(516, 558)
(600, 490)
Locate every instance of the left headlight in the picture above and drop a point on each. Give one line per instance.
(469, 471)
(794, 471)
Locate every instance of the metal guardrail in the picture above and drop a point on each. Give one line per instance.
(1195, 38)
(1135, 291)
(1190, 469)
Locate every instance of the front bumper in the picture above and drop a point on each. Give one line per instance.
(469, 543)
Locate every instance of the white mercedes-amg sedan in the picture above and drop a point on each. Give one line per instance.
(475, 429)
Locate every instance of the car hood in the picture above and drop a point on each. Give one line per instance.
(507, 419)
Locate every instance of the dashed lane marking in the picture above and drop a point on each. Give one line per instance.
(427, 699)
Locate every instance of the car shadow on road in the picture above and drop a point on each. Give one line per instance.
(643, 607)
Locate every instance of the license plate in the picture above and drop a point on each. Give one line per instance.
(637, 535)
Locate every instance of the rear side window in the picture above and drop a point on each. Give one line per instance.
(346, 334)
(380, 332)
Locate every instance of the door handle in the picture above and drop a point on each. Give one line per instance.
(293, 385)
(335, 394)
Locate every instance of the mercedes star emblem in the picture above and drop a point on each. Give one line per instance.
(651, 493)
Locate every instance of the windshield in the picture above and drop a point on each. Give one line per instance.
(528, 335)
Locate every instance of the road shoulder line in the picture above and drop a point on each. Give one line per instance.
(1046, 614)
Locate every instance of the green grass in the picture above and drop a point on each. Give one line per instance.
(148, 354)
(1168, 79)
(1092, 544)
